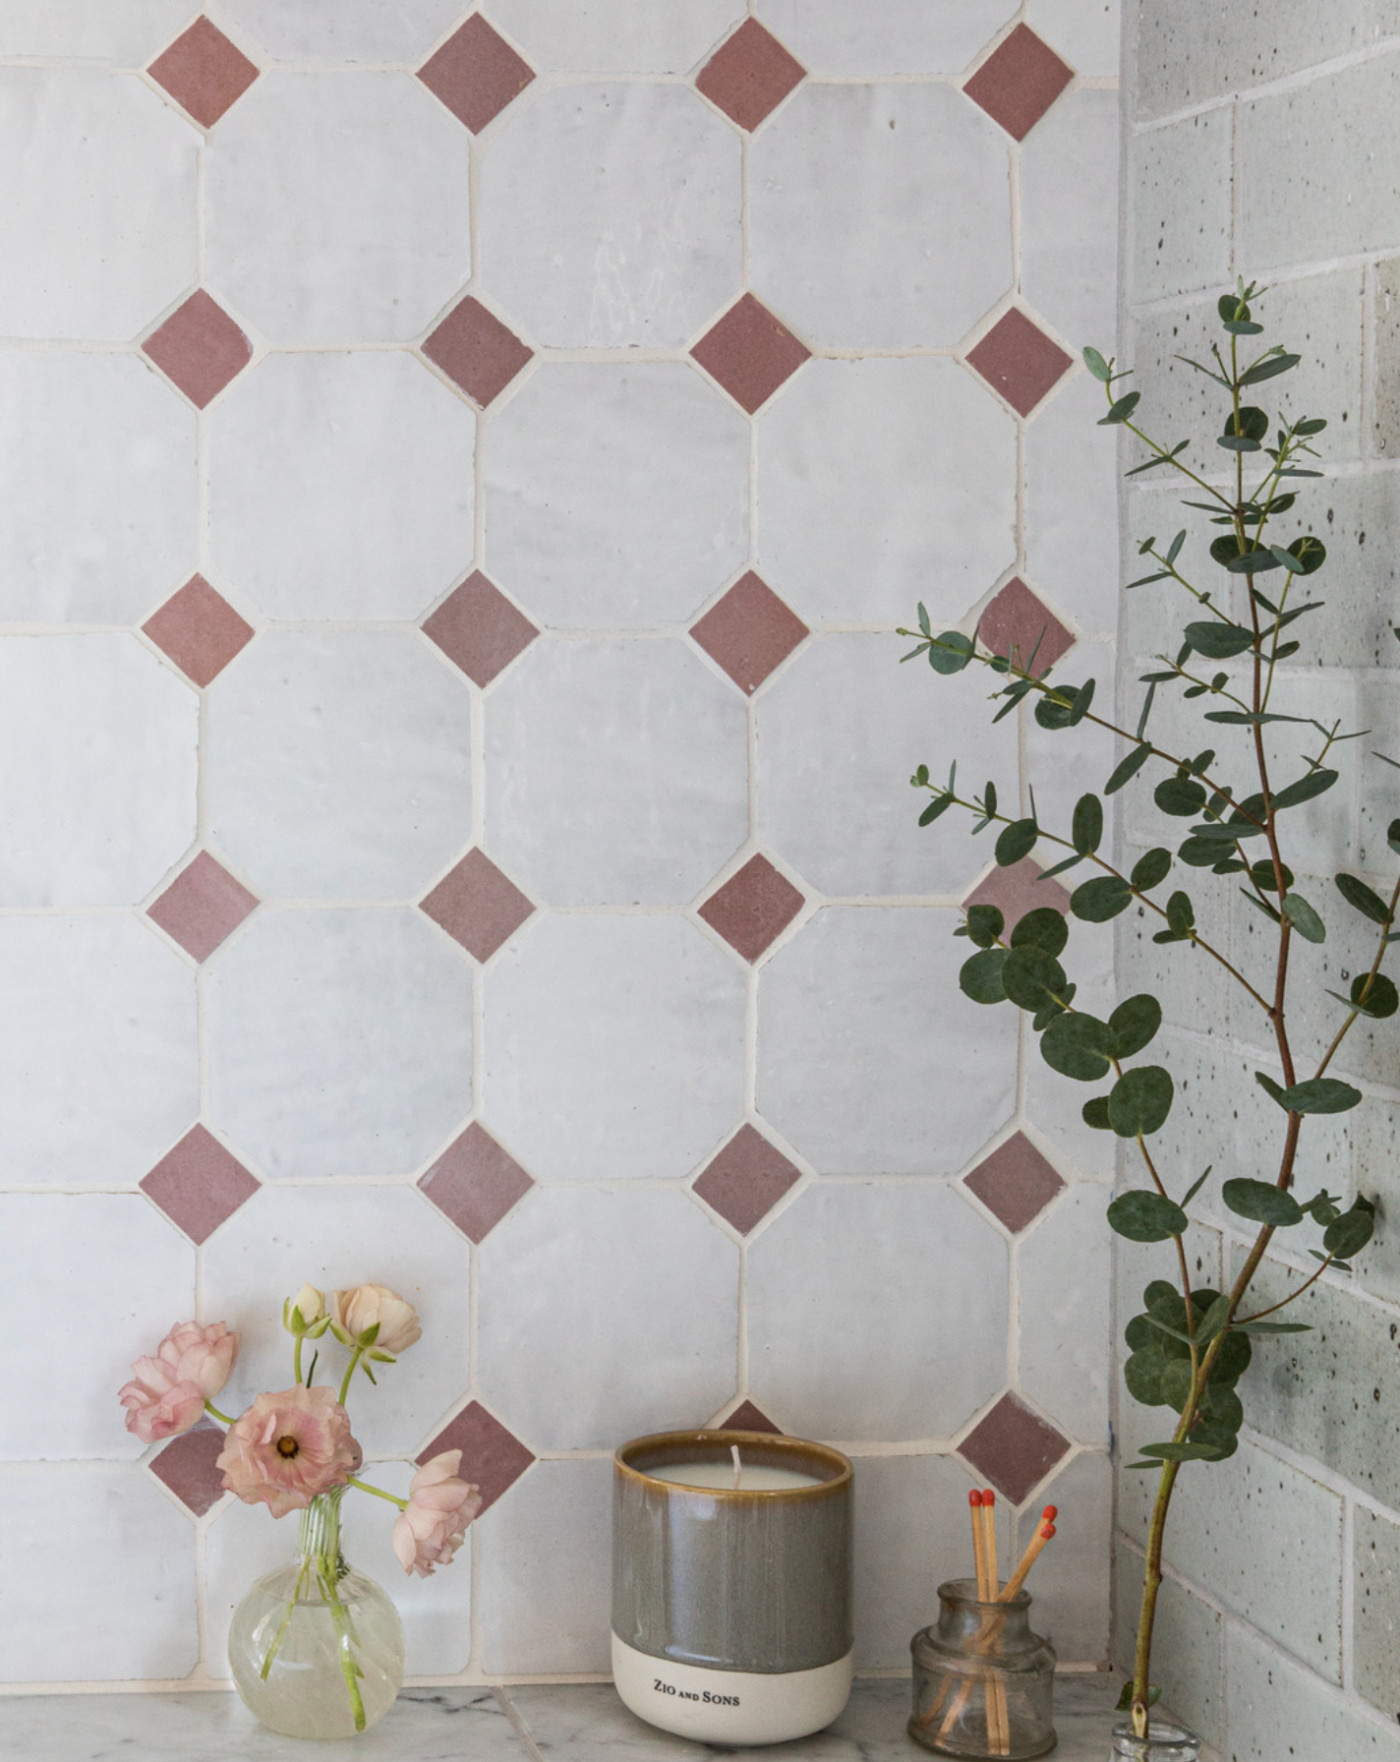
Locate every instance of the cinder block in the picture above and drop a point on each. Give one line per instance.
(1280, 1709)
(1180, 214)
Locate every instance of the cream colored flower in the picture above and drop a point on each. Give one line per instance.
(305, 1314)
(375, 1318)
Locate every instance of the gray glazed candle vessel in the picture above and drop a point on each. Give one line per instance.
(732, 1607)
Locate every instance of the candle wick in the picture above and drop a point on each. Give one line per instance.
(738, 1465)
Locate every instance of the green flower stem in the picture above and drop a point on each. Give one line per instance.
(345, 1635)
(286, 1622)
(355, 1358)
(296, 1361)
(209, 1407)
(379, 1493)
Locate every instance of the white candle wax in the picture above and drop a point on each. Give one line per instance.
(754, 1477)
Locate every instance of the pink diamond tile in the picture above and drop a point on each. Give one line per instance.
(750, 75)
(493, 1459)
(749, 632)
(748, 1418)
(1018, 890)
(753, 907)
(746, 1180)
(203, 72)
(198, 1185)
(750, 353)
(1015, 1182)
(476, 73)
(199, 348)
(186, 1465)
(1015, 618)
(1013, 1448)
(1019, 82)
(202, 906)
(478, 628)
(1017, 359)
(476, 351)
(199, 630)
(475, 1183)
(477, 905)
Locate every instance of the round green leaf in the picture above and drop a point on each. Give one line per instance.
(1375, 996)
(1310, 552)
(1262, 874)
(1086, 831)
(1074, 1044)
(1144, 1216)
(1349, 1234)
(1304, 918)
(1016, 841)
(1321, 1095)
(950, 651)
(1095, 1113)
(1140, 1335)
(1362, 898)
(1133, 1024)
(1044, 928)
(1140, 1101)
(1031, 977)
(1102, 898)
(1262, 1203)
(1233, 1362)
(980, 977)
(1151, 870)
(1096, 364)
(1222, 1407)
(984, 924)
(1176, 1382)
(1213, 1443)
(1182, 797)
(1142, 1373)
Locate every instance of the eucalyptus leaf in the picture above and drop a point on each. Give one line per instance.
(1362, 898)
(984, 924)
(1142, 1373)
(1151, 869)
(1128, 768)
(1095, 1113)
(1315, 783)
(1268, 367)
(1134, 1024)
(1139, 1102)
(1016, 841)
(950, 651)
(1262, 1203)
(1304, 918)
(1219, 642)
(1096, 364)
(1077, 1045)
(1030, 977)
(1349, 1234)
(937, 807)
(1179, 796)
(980, 977)
(1086, 832)
(1144, 1216)
(1102, 898)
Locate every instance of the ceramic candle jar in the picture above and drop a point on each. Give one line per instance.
(732, 1586)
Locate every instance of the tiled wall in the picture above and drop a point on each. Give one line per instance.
(462, 470)
(1263, 143)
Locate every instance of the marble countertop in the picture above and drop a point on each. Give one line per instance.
(566, 1722)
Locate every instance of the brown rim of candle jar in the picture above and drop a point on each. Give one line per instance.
(769, 1449)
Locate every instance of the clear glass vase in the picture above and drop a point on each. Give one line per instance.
(1165, 1742)
(317, 1648)
(984, 1684)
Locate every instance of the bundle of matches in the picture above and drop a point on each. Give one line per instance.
(984, 1554)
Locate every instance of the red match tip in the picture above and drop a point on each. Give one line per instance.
(974, 1498)
(1047, 1530)
(1050, 1513)
(988, 1496)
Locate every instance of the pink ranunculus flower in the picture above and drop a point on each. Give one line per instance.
(168, 1393)
(288, 1447)
(440, 1506)
(354, 1313)
(204, 1356)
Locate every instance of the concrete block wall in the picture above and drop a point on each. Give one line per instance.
(1265, 142)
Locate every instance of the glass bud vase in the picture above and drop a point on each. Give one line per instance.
(317, 1648)
(1165, 1742)
(984, 1684)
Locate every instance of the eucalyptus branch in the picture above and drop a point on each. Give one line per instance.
(1381, 945)
(1292, 1297)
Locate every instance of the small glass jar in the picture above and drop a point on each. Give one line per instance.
(984, 1684)
(1165, 1742)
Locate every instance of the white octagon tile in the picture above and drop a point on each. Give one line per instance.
(616, 772)
(100, 229)
(910, 1529)
(855, 1290)
(885, 36)
(656, 1080)
(104, 1076)
(603, 1316)
(852, 163)
(338, 207)
(610, 215)
(1069, 218)
(342, 486)
(110, 1277)
(1065, 1318)
(99, 532)
(861, 1025)
(1072, 506)
(881, 483)
(339, 1041)
(833, 791)
(1070, 1590)
(106, 1542)
(625, 36)
(91, 30)
(98, 798)
(616, 494)
(338, 764)
(546, 1571)
(333, 1238)
(1084, 32)
(343, 30)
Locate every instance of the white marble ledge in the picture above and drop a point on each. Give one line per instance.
(574, 1722)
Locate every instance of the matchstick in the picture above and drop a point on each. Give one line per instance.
(998, 1724)
(1034, 1549)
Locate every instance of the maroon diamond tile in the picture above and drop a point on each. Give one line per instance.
(475, 1183)
(1018, 890)
(750, 353)
(746, 1180)
(493, 1459)
(202, 906)
(198, 1184)
(199, 348)
(203, 72)
(186, 1465)
(476, 351)
(1015, 1182)
(750, 75)
(1019, 82)
(477, 905)
(478, 628)
(1016, 619)
(199, 630)
(1017, 359)
(476, 73)
(753, 907)
(748, 1418)
(749, 632)
(1013, 1448)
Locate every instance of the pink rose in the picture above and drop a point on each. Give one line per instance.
(355, 1313)
(440, 1506)
(287, 1448)
(204, 1356)
(169, 1391)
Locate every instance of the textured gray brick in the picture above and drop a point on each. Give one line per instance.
(1386, 423)
(1180, 217)
(1376, 1587)
(1281, 1712)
